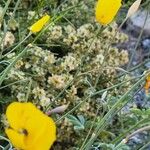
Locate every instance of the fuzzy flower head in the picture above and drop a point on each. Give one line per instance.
(106, 10)
(37, 26)
(29, 128)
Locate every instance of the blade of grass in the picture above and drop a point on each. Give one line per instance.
(2, 77)
(2, 40)
(17, 45)
(4, 10)
(94, 94)
(104, 121)
(123, 135)
(145, 146)
(13, 83)
(138, 41)
(15, 8)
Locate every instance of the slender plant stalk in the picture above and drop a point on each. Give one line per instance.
(2, 40)
(16, 6)
(72, 110)
(90, 130)
(17, 45)
(138, 131)
(116, 85)
(123, 135)
(2, 77)
(138, 41)
(145, 3)
(13, 83)
(1, 147)
(4, 10)
(134, 68)
(9, 145)
(104, 121)
(94, 94)
(145, 146)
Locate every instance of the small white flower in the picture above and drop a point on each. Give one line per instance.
(44, 101)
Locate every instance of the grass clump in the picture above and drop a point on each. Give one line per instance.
(72, 66)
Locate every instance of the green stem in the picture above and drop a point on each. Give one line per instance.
(123, 135)
(94, 94)
(4, 11)
(72, 110)
(134, 68)
(16, 6)
(138, 131)
(5, 72)
(90, 130)
(13, 83)
(2, 40)
(17, 45)
(104, 121)
(145, 146)
(8, 147)
(145, 3)
(116, 85)
(138, 41)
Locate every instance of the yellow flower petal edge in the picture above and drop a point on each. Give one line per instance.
(147, 85)
(30, 129)
(17, 139)
(37, 26)
(106, 10)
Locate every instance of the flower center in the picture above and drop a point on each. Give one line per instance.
(23, 131)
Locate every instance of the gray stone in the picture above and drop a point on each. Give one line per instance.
(136, 22)
(146, 44)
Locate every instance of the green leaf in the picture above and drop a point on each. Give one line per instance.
(77, 122)
(137, 111)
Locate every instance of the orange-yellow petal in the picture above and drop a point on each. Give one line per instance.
(148, 77)
(16, 138)
(37, 26)
(14, 115)
(45, 137)
(40, 128)
(18, 113)
(106, 10)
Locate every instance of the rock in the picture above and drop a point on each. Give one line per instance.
(146, 44)
(136, 22)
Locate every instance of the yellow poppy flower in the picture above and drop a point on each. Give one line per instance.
(106, 10)
(37, 26)
(30, 129)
